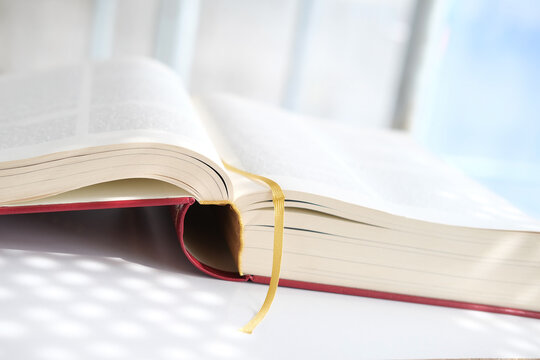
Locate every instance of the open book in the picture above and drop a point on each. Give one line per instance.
(367, 211)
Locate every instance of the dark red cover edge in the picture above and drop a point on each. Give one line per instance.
(397, 297)
(96, 205)
(179, 222)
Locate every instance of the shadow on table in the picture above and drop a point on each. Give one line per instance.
(106, 284)
(140, 235)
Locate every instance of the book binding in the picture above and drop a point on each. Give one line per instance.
(181, 210)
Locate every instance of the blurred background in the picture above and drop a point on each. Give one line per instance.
(461, 76)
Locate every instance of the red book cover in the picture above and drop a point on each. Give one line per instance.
(180, 207)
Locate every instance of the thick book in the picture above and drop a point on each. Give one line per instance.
(367, 211)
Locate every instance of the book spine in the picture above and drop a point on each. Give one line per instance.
(179, 214)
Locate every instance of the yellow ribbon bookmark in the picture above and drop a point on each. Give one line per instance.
(278, 199)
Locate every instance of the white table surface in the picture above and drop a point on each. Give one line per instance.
(72, 288)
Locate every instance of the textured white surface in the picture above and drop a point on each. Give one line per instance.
(73, 288)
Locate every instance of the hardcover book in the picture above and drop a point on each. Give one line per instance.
(367, 211)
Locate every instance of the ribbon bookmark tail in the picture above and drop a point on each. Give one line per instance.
(278, 200)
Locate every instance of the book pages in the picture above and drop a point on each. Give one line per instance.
(113, 102)
(380, 169)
